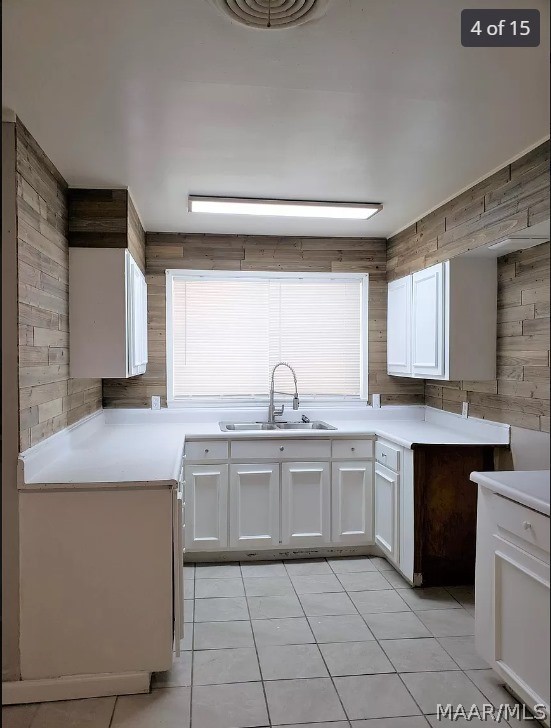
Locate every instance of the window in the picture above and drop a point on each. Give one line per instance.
(225, 332)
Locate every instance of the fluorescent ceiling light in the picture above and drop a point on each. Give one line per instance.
(283, 208)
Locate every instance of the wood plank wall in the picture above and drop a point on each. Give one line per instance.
(135, 234)
(105, 218)
(271, 253)
(49, 399)
(514, 198)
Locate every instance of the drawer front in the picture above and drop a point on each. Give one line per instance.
(350, 449)
(387, 455)
(206, 450)
(523, 526)
(281, 449)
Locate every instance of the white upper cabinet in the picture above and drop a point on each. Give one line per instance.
(427, 330)
(442, 321)
(399, 326)
(107, 314)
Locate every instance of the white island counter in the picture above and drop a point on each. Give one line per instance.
(512, 582)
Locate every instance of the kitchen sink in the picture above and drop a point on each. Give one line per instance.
(256, 426)
(315, 425)
(246, 426)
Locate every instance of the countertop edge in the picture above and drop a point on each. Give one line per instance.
(517, 495)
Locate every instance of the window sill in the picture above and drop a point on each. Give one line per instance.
(247, 404)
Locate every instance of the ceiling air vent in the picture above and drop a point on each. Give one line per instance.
(272, 14)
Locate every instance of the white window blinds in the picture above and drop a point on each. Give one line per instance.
(228, 333)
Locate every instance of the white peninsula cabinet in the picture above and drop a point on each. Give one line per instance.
(441, 321)
(101, 588)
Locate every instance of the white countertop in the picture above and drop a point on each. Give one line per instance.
(528, 487)
(144, 448)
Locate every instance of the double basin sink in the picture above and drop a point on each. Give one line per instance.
(256, 426)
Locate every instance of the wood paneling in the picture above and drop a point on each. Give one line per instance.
(243, 252)
(135, 235)
(520, 394)
(105, 218)
(512, 199)
(46, 404)
(445, 511)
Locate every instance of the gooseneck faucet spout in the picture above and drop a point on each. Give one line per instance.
(273, 411)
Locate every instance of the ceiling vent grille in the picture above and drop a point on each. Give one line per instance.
(272, 14)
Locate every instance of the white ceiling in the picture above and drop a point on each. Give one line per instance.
(377, 102)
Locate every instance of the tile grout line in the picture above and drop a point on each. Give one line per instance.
(317, 643)
(376, 639)
(192, 651)
(256, 649)
(384, 652)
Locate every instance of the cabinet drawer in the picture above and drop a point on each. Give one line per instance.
(206, 450)
(387, 455)
(350, 449)
(281, 449)
(518, 524)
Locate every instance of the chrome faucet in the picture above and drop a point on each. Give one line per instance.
(273, 411)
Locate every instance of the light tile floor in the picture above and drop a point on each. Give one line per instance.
(323, 643)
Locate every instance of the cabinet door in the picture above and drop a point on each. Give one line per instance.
(352, 502)
(305, 504)
(137, 319)
(521, 621)
(254, 506)
(386, 510)
(428, 346)
(206, 496)
(399, 327)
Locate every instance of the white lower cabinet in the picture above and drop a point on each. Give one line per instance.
(326, 499)
(305, 504)
(206, 507)
(387, 511)
(254, 506)
(512, 596)
(352, 498)
(521, 618)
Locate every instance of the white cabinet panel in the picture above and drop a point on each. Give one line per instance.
(254, 506)
(206, 450)
(386, 510)
(428, 321)
(177, 564)
(137, 318)
(108, 314)
(388, 455)
(206, 495)
(251, 450)
(305, 504)
(399, 327)
(352, 449)
(521, 621)
(352, 499)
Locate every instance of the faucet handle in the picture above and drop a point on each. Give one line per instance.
(278, 411)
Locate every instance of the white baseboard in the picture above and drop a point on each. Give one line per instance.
(72, 687)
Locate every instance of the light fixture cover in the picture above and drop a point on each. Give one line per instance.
(272, 14)
(283, 208)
